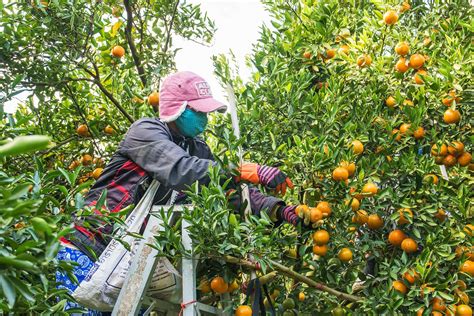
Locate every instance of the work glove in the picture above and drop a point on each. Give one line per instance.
(287, 214)
(270, 177)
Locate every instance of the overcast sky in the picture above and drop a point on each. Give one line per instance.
(238, 26)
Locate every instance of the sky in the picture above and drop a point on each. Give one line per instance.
(238, 26)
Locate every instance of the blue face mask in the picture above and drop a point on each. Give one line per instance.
(191, 123)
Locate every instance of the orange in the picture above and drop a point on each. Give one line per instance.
(154, 99)
(463, 297)
(400, 287)
(109, 130)
(364, 60)
(402, 65)
(420, 311)
(361, 217)
(390, 102)
(417, 61)
(233, 286)
(449, 161)
(357, 147)
(118, 51)
(204, 286)
(74, 165)
(463, 310)
(330, 53)
(456, 148)
(307, 55)
(325, 208)
(441, 215)
(86, 160)
(390, 17)
(404, 128)
(396, 132)
(461, 285)
(301, 296)
(405, 6)
(402, 48)
(396, 237)
(243, 310)
(370, 189)
(374, 221)
(465, 159)
(340, 174)
(426, 41)
(451, 116)
(447, 101)
(320, 250)
(345, 255)
(219, 286)
(349, 166)
(411, 276)
(469, 229)
(301, 209)
(344, 49)
(438, 304)
(419, 76)
(408, 102)
(321, 237)
(409, 245)
(353, 203)
(315, 215)
(419, 133)
(441, 151)
(404, 212)
(97, 172)
(82, 130)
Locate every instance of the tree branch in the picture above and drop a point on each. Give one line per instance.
(131, 44)
(170, 28)
(296, 276)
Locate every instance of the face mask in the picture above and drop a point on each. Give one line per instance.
(191, 123)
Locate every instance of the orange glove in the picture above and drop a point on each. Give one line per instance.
(270, 177)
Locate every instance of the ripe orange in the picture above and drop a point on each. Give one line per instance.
(411, 276)
(449, 161)
(301, 296)
(375, 221)
(97, 172)
(419, 133)
(456, 148)
(404, 128)
(405, 6)
(301, 209)
(451, 116)
(396, 237)
(353, 203)
(243, 310)
(307, 54)
(390, 102)
(330, 53)
(441, 215)
(402, 65)
(154, 98)
(463, 310)
(86, 160)
(438, 304)
(420, 311)
(349, 166)
(325, 208)
(74, 165)
(204, 286)
(344, 49)
(109, 130)
(370, 189)
(400, 287)
(364, 60)
(463, 297)
(447, 101)
(409, 245)
(390, 17)
(320, 250)
(461, 285)
(345, 255)
(417, 61)
(361, 217)
(402, 48)
(398, 136)
(469, 229)
(441, 151)
(316, 215)
(118, 51)
(321, 237)
(340, 174)
(82, 130)
(465, 159)
(357, 147)
(233, 286)
(419, 76)
(219, 286)
(404, 213)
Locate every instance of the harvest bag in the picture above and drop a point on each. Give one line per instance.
(102, 285)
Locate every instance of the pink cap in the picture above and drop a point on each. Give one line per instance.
(184, 89)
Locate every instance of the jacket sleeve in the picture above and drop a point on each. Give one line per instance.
(149, 144)
(259, 202)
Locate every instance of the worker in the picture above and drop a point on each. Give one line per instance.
(169, 150)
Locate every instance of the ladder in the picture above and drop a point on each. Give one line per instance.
(133, 293)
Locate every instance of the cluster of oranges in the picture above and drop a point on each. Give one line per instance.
(83, 131)
(451, 154)
(88, 160)
(218, 285)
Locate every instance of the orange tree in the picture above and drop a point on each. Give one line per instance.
(363, 104)
(87, 68)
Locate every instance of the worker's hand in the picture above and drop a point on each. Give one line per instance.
(293, 215)
(270, 177)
